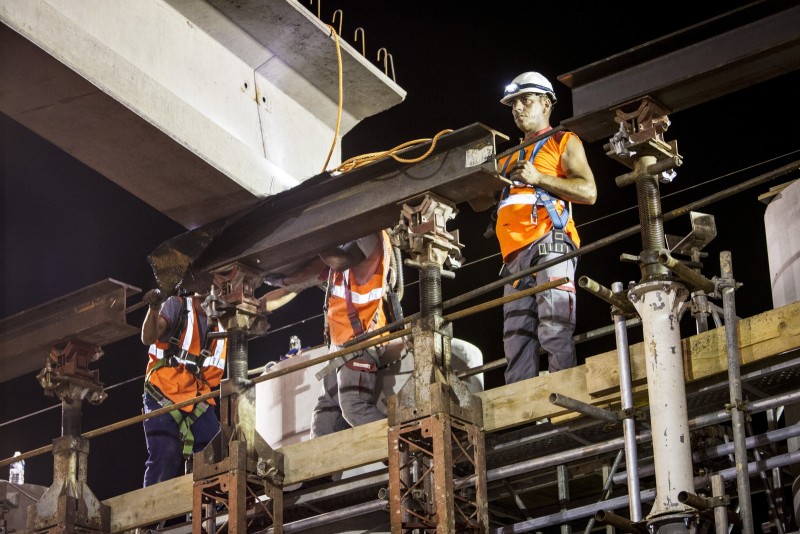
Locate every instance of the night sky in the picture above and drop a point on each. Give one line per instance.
(65, 227)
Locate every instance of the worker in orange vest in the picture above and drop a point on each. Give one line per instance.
(535, 225)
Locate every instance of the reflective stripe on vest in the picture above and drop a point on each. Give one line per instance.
(357, 298)
(190, 345)
(367, 299)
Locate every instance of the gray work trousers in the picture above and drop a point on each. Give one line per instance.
(545, 320)
(349, 396)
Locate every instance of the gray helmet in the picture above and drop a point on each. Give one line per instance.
(528, 82)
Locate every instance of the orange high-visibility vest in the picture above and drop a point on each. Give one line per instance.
(177, 382)
(367, 298)
(521, 217)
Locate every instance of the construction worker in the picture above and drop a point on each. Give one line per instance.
(357, 280)
(534, 225)
(356, 275)
(183, 363)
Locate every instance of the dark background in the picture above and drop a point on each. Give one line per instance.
(65, 227)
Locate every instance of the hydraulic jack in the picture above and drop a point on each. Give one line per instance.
(437, 475)
(238, 466)
(69, 505)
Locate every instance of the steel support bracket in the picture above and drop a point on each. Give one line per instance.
(232, 299)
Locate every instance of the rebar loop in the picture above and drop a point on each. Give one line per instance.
(391, 66)
(363, 40)
(341, 16)
(319, 7)
(387, 62)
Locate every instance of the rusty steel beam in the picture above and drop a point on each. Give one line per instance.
(728, 53)
(286, 230)
(94, 314)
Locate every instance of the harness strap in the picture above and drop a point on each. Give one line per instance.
(559, 219)
(336, 363)
(561, 244)
(352, 313)
(174, 355)
(184, 420)
(326, 332)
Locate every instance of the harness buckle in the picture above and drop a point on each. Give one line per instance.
(558, 246)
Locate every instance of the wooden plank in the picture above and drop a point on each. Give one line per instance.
(333, 453)
(762, 337)
(528, 400)
(151, 504)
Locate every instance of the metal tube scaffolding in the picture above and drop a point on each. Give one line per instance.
(736, 406)
(629, 423)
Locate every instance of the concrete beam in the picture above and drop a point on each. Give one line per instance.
(198, 108)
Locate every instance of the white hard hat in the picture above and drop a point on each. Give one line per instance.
(528, 82)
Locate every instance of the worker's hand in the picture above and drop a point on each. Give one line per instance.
(524, 172)
(154, 298)
(275, 280)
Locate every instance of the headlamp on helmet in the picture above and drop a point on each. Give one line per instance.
(528, 82)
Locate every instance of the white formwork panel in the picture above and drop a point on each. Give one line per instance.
(284, 405)
(782, 223)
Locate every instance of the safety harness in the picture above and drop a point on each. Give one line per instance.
(352, 315)
(560, 243)
(174, 356)
(390, 297)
